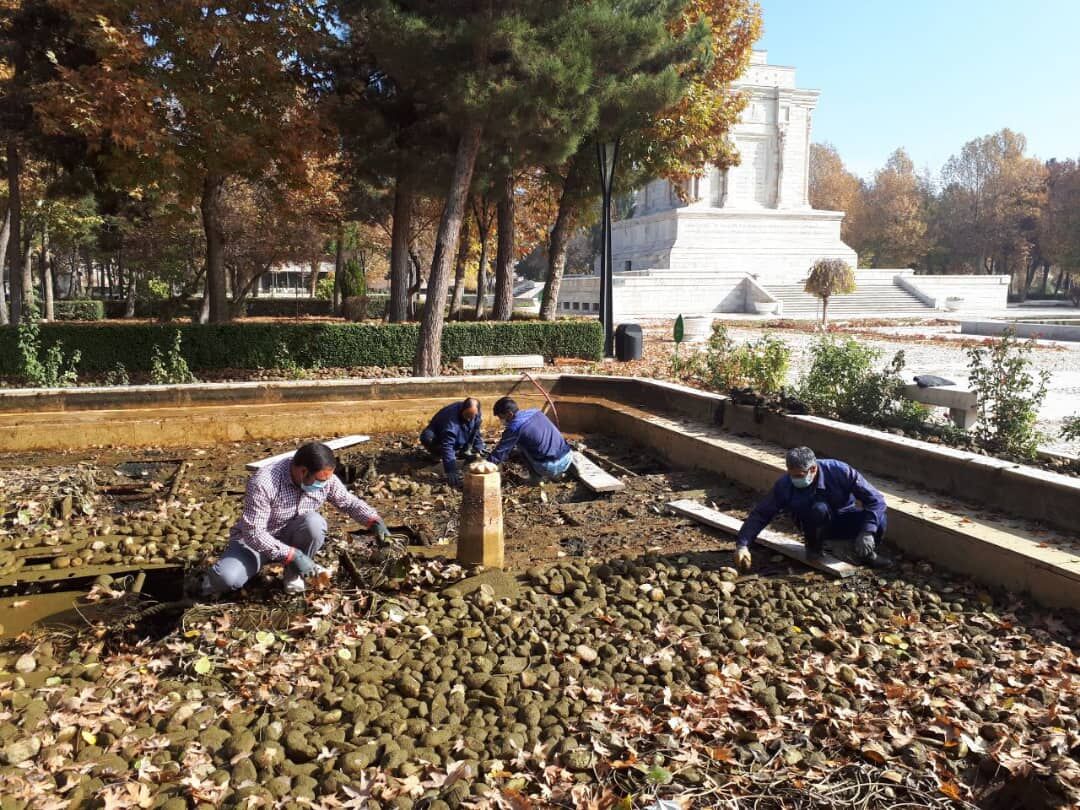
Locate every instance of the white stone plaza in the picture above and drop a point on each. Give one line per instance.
(743, 239)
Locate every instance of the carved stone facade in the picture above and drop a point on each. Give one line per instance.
(761, 205)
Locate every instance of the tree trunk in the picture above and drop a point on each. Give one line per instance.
(825, 311)
(132, 295)
(504, 254)
(459, 269)
(29, 294)
(1046, 277)
(5, 233)
(339, 269)
(416, 281)
(216, 281)
(15, 255)
(46, 276)
(1057, 282)
(399, 248)
(314, 278)
(429, 347)
(557, 244)
(203, 315)
(483, 231)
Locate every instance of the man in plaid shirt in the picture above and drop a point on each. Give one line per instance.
(281, 521)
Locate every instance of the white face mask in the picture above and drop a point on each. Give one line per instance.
(802, 482)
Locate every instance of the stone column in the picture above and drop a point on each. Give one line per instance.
(480, 530)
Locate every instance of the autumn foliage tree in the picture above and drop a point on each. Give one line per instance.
(230, 89)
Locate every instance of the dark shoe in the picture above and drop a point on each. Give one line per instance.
(875, 560)
(815, 549)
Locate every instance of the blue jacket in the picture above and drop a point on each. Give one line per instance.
(535, 433)
(837, 484)
(453, 436)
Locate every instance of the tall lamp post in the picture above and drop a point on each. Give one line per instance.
(606, 155)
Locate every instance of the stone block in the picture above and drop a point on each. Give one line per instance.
(480, 531)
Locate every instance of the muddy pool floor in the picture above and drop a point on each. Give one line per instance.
(624, 664)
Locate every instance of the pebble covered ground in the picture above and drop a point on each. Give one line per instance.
(627, 666)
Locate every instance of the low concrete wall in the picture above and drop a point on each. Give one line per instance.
(203, 414)
(1013, 489)
(979, 293)
(689, 428)
(956, 538)
(1041, 331)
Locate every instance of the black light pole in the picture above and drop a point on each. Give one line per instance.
(606, 154)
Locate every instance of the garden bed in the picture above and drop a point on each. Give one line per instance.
(628, 662)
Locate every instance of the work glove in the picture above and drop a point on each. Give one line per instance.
(455, 480)
(743, 561)
(864, 546)
(381, 532)
(303, 564)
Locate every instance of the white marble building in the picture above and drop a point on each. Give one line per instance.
(743, 239)
(752, 218)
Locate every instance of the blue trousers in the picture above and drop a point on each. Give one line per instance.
(547, 469)
(819, 523)
(239, 563)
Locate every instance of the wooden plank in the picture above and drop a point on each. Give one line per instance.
(333, 444)
(593, 477)
(785, 545)
(35, 574)
(484, 362)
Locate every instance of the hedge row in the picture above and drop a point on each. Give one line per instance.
(310, 345)
(253, 307)
(79, 310)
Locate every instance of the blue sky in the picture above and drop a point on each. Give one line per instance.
(930, 76)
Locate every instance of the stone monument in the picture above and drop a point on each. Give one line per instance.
(690, 249)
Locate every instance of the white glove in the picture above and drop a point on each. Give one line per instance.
(743, 560)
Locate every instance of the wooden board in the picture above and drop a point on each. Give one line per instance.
(333, 444)
(483, 362)
(47, 574)
(593, 477)
(781, 543)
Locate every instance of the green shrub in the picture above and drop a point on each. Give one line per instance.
(79, 310)
(170, 368)
(117, 375)
(326, 344)
(1070, 431)
(51, 370)
(842, 382)
(324, 289)
(1009, 395)
(761, 364)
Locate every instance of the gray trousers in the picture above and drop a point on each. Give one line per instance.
(239, 563)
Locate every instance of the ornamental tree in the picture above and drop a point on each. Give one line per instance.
(829, 277)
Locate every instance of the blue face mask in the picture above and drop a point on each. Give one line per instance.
(314, 486)
(802, 483)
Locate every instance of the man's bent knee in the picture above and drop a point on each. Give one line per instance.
(816, 515)
(227, 574)
(315, 524)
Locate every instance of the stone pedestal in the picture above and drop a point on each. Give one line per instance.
(480, 532)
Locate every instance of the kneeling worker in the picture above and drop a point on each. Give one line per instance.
(542, 446)
(820, 495)
(454, 431)
(281, 521)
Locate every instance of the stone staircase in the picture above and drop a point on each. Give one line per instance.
(872, 299)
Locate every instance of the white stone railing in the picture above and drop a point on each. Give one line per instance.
(756, 294)
(905, 284)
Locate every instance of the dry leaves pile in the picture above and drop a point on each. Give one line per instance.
(886, 708)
